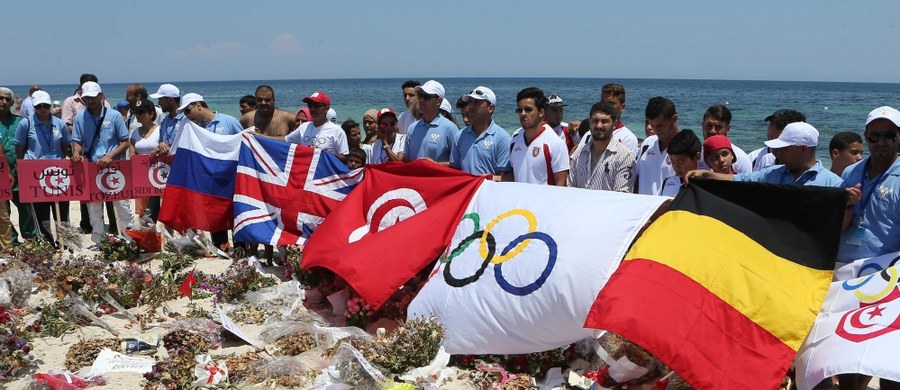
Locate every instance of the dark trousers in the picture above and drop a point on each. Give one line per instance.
(86, 219)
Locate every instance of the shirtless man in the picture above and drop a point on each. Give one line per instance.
(268, 119)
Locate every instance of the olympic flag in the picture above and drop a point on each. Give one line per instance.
(858, 329)
(523, 270)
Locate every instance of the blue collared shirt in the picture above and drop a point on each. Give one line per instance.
(487, 153)
(167, 128)
(42, 141)
(878, 226)
(224, 124)
(433, 140)
(112, 131)
(779, 174)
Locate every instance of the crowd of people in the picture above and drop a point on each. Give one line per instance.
(597, 153)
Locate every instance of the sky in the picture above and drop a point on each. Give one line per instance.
(53, 42)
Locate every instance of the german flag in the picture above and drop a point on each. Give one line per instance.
(725, 286)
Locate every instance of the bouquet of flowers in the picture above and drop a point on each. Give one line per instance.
(359, 313)
(534, 364)
(15, 345)
(239, 279)
(115, 248)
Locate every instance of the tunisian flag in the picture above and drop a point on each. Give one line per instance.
(399, 219)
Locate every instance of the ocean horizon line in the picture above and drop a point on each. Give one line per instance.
(609, 79)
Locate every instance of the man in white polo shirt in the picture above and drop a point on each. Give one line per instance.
(537, 154)
(653, 164)
(319, 132)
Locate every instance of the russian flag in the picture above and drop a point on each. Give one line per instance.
(200, 187)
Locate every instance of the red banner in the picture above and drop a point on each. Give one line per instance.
(150, 174)
(51, 180)
(112, 182)
(5, 181)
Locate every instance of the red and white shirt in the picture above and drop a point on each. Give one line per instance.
(536, 162)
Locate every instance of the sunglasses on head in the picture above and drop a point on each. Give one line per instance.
(874, 138)
(525, 109)
(477, 92)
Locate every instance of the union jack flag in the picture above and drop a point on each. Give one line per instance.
(284, 191)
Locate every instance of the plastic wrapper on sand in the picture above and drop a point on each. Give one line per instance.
(208, 372)
(16, 284)
(349, 367)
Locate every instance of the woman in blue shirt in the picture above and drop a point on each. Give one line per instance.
(43, 136)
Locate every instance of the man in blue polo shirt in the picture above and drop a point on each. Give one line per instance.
(483, 146)
(169, 98)
(433, 136)
(796, 149)
(99, 135)
(194, 108)
(873, 226)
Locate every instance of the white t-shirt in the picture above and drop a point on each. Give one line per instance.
(403, 121)
(671, 185)
(329, 137)
(627, 138)
(761, 158)
(529, 162)
(380, 156)
(653, 166)
(742, 163)
(145, 145)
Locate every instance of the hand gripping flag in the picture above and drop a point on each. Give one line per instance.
(397, 220)
(858, 329)
(725, 286)
(283, 190)
(523, 267)
(201, 181)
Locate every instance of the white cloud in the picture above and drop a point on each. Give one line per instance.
(285, 44)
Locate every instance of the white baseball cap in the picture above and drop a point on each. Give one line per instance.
(481, 93)
(331, 115)
(166, 90)
(883, 112)
(795, 134)
(90, 89)
(445, 105)
(432, 87)
(40, 97)
(188, 99)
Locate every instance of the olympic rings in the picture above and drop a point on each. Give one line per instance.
(533, 286)
(452, 280)
(892, 273)
(488, 248)
(532, 227)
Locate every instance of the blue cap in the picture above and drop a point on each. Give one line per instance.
(122, 104)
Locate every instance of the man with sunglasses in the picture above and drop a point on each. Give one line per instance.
(537, 154)
(483, 146)
(871, 224)
(319, 132)
(168, 99)
(433, 136)
(195, 108)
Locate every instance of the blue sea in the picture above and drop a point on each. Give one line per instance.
(830, 107)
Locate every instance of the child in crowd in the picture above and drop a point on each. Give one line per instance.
(356, 158)
(684, 152)
(718, 154)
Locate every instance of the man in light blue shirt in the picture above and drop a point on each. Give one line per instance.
(796, 148)
(194, 108)
(433, 136)
(483, 146)
(874, 228)
(168, 98)
(99, 135)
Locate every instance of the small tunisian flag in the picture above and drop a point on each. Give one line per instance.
(189, 281)
(399, 219)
